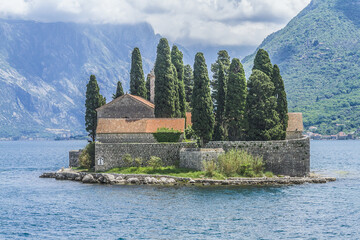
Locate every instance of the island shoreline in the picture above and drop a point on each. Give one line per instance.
(148, 179)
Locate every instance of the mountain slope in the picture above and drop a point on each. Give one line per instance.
(44, 68)
(319, 56)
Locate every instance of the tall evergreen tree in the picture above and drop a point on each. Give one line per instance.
(235, 107)
(177, 113)
(177, 60)
(223, 58)
(189, 84)
(202, 112)
(119, 90)
(280, 95)
(263, 119)
(164, 82)
(147, 84)
(137, 81)
(93, 101)
(262, 62)
(219, 133)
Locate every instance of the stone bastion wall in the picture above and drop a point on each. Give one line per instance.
(285, 157)
(110, 155)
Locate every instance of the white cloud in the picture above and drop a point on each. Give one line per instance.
(213, 22)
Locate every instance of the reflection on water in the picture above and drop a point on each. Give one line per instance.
(37, 208)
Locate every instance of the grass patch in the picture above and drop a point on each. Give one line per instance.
(170, 171)
(82, 169)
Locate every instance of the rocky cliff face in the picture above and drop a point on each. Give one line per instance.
(44, 68)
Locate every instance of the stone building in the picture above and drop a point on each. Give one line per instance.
(131, 119)
(295, 126)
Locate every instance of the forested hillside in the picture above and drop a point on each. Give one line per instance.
(319, 56)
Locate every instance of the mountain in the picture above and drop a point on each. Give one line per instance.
(318, 53)
(44, 69)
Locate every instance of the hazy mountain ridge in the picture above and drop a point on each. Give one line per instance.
(319, 56)
(44, 68)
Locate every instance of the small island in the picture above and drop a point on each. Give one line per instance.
(173, 130)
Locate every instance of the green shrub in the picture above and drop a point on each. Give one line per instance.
(269, 174)
(138, 162)
(190, 133)
(210, 168)
(240, 163)
(87, 156)
(127, 160)
(167, 135)
(155, 162)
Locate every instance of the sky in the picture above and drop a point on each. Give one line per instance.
(189, 22)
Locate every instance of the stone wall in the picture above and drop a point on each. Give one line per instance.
(287, 157)
(294, 135)
(109, 155)
(193, 158)
(126, 138)
(74, 158)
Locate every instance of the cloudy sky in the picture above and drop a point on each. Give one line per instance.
(207, 22)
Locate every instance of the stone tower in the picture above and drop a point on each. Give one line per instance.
(152, 86)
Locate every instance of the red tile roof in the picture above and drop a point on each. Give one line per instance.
(144, 125)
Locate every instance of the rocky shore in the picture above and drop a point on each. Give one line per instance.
(140, 179)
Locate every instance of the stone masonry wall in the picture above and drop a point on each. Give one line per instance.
(109, 155)
(126, 138)
(74, 158)
(287, 157)
(193, 158)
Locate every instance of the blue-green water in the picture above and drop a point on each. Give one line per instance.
(34, 208)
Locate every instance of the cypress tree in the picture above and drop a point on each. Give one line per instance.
(119, 90)
(164, 82)
(223, 58)
(263, 120)
(280, 95)
(202, 112)
(148, 87)
(219, 133)
(177, 112)
(93, 101)
(137, 81)
(262, 62)
(189, 84)
(235, 107)
(177, 60)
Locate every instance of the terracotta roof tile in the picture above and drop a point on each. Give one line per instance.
(144, 125)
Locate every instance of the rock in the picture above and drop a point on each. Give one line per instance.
(170, 181)
(48, 175)
(60, 176)
(133, 181)
(88, 178)
(162, 180)
(150, 180)
(118, 182)
(119, 178)
(109, 177)
(71, 175)
(78, 178)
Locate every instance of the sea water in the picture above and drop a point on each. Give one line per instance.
(36, 208)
